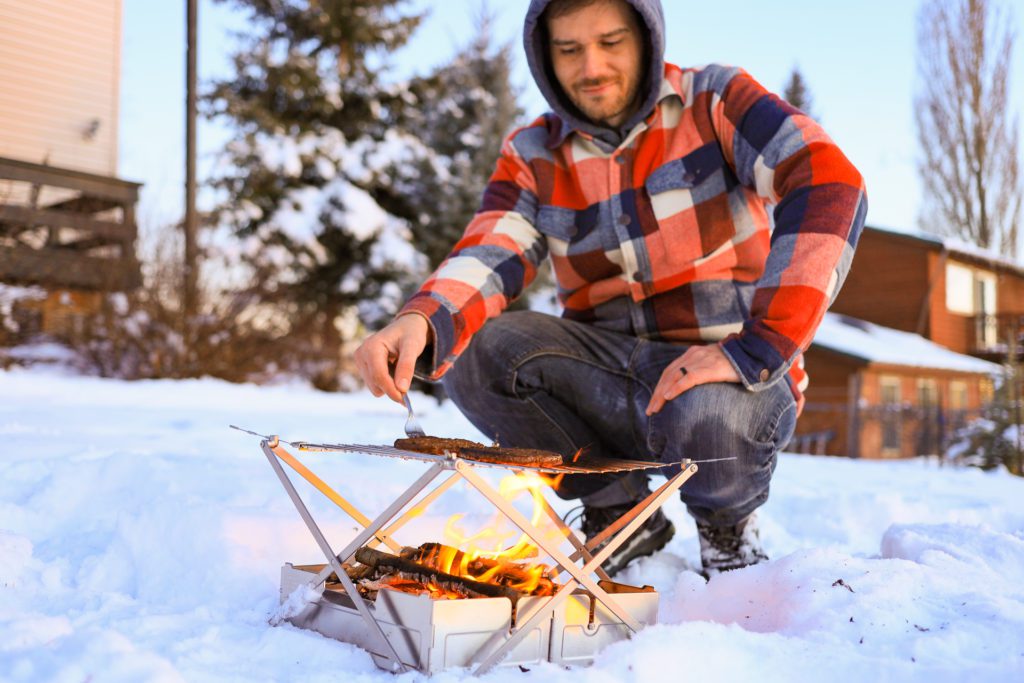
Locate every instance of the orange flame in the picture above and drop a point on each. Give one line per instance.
(486, 554)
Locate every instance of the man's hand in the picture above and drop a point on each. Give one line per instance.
(398, 344)
(702, 364)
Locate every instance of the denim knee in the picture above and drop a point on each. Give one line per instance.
(734, 436)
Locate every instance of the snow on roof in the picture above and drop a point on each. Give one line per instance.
(957, 246)
(877, 344)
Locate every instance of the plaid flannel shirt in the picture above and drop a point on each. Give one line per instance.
(668, 236)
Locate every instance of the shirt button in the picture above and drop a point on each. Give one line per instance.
(638, 276)
(765, 375)
(620, 159)
(624, 219)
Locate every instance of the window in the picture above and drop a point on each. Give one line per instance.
(987, 391)
(958, 395)
(959, 289)
(928, 420)
(972, 292)
(891, 422)
(890, 389)
(927, 393)
(985, 305)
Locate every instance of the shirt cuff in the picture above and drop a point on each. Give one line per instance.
(756, 361)
(437, 357)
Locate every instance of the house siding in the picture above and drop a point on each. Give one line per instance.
(59, 71)
(846, 392)
(1010, 294)
(831, 376)
(955, 331)
(888, 283)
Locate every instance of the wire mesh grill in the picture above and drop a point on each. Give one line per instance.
(586, 466)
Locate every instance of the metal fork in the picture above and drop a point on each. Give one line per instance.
(412, 425)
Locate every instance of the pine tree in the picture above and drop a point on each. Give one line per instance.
(797, 93)
(319, 158)
(469, 106)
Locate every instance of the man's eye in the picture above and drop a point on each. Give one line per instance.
(568, 51)
(611, 43)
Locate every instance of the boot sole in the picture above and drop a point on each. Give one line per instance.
(638, 545)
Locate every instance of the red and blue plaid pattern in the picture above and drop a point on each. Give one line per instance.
(668, 236)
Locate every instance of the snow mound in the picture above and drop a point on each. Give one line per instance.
(993, 556)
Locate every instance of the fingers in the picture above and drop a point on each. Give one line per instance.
(698, 365)
(409, 349)
(393, 349)
(372, 359)
(674, 381)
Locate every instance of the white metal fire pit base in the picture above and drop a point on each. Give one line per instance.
(433, 635)
(586, 612)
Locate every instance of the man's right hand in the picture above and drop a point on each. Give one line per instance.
(399, 345)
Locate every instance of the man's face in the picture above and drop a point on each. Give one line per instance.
(596, 53)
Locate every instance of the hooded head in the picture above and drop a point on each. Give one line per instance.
(623, 91)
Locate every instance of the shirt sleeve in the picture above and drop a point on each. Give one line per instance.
(489, 267)
(820, 206)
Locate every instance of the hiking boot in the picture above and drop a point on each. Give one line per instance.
(723, 548)
(651, 537)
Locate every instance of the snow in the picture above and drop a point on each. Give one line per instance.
(341, 165)
(141, 540)
(878, 344)
(958, 245)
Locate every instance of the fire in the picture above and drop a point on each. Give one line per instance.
(489, 562)
(490, 555)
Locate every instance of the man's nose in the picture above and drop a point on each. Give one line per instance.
(594, 63)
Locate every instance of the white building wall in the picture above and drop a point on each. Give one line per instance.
(59, 73)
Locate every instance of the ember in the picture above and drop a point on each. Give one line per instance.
(428, 569)
(478, 567)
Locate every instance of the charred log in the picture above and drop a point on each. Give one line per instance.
(502, 573)
(413, 570)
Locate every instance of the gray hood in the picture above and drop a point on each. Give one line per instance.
(540, 66)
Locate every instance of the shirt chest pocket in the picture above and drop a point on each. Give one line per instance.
(690, 202)
(567, 227)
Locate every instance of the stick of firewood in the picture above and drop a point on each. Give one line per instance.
(508, 572)
(376, 558)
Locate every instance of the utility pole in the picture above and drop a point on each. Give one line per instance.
(191, 270)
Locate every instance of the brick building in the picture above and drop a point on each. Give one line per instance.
(902, 359)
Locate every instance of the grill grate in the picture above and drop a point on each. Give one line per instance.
(590, 466)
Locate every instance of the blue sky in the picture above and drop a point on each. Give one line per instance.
(858, 59)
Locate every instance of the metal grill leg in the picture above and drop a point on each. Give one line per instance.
(332, 559)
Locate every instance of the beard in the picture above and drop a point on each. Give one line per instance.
(609, 107)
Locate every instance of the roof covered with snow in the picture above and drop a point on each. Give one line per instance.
(958, 247)
(877, 344)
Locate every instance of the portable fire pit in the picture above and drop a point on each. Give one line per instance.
(431, 607)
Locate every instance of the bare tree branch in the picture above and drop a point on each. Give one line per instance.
(970, 156)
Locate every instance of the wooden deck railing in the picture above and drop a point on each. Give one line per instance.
(993, 335)
(64, 228)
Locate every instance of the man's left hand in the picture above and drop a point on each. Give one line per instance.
(702, 364)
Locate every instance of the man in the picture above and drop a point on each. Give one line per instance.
(686, 309)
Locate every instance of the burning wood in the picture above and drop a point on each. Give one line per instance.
(409, 569)
(528, 579)
(447, 573)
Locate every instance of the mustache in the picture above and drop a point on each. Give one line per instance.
(594, 82)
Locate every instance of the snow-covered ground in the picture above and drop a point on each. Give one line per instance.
(141, 540)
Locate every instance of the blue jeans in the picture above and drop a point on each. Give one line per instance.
(536, 381)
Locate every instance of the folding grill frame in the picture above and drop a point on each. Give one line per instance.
(580, 565)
